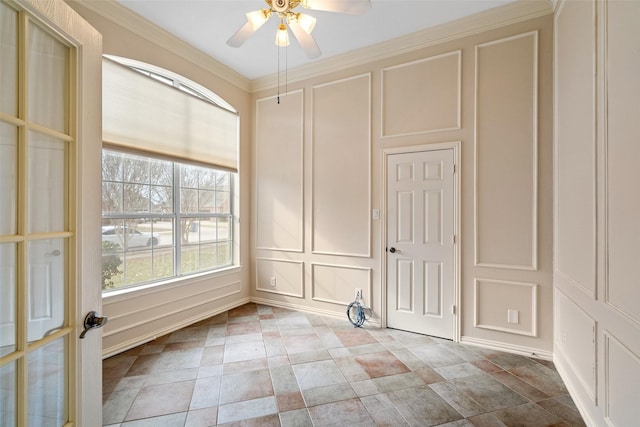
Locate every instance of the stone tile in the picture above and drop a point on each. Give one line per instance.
(244, 310)
(545, 379)
(412, 361)
(183, 345)
(381, 364)
(486, 366)
(243, 338)
(247, 409)
(429, 376)
(172, 376)
(284, 380)
(192, 333)
(163, 399)
(154, 363)
(328, 394)
(466, 406)
(206, 393)
(275, 347)
(205, 417)
(245, 386)
(527, 415)
(266, 421)
(367, 349)
(245, 365)
(458, 371)
(212, 355)
(423, 407)
(486, 420)
(244, 351)
(351, 369)
(382, 411)
(508, 361)
(290, 401)
(345, 413)
(398, 382)
(520, 386)
(302, 344)
(293, 322)
(244, 328)
(309, 356)
(355, 336)
(365, 388)
(298, 418)
(563, 411)
(437, 356)
(489, 393)
(171, 420)
(318, 374)
(115, 409)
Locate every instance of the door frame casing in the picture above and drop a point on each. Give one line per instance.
(456, 146)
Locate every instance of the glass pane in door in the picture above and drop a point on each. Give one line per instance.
(8, 161)
(47, 372)
(46, 183)
(48, 87)
(8, 395)
(7, 299)
(9, 63)
(45, 302)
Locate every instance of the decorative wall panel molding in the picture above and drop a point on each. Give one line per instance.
(622, 152)
(341, 167)
(280, 276)
(575, 159)
(280, 173)
(506, 145)
(335, 284)
(574, 338)
(422, 96)
(622, 393)
(506, 306)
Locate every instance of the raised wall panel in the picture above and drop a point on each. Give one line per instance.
(621, 393)
(280, 173)
(280, 276)
(494, 299)
(506, 146)
(623, 156)
(342, 167)
(336, 284)
(575, 174)
(574, 339)
(422, 96)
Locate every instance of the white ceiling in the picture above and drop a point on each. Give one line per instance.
(207, 24)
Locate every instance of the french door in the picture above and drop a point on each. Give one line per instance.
(50, 139)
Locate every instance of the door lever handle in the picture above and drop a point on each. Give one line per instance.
(93, 321)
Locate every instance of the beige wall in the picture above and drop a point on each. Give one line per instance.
(141, 315)
(318, 174)
(597, 315)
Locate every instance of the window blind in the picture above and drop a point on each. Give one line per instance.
(141, 113)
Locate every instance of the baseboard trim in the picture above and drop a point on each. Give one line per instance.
(143, 339)
(573, 386)
(509, 348)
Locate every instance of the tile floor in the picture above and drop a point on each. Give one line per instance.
(264, 366)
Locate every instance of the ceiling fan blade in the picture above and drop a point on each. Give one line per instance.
(352, 7)
(306, 40)
(241, 35)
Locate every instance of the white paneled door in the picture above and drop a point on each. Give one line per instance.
(50, 140)
(420, 242)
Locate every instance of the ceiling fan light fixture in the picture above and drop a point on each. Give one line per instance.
(257, 18)
(282, 36)
(307, 22)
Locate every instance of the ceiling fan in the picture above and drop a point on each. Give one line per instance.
(301, 24)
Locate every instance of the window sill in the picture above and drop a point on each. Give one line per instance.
(151, 288)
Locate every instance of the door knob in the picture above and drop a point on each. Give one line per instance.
(93, 321)
(392, 250)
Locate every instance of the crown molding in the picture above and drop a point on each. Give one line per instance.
(133, 22)
(511, 13)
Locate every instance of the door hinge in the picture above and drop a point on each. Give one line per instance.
(453, 309)
(453, 239)
(453, 170)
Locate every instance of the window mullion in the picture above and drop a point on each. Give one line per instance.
(177, 233)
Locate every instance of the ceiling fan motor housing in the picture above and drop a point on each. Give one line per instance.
(280, 6)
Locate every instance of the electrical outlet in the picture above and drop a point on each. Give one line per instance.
(358, 293)
(273, 282)
(513, 316)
